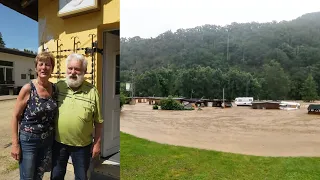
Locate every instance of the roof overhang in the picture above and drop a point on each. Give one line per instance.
(28, 8)
(16, 52)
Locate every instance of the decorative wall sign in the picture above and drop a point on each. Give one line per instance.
(68, 8)
(61, 54)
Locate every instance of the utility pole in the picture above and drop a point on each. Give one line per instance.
(132, 82)
(228, 48)
(223, 98)
(133, 76)
(242, 52)
(242, 55)
(247, 88)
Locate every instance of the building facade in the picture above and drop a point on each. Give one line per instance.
(91, 28)
(16, 69)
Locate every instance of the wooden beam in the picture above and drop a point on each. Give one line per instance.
(30, 11)
(26, 3)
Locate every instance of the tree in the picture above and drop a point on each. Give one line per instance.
(147, 84)
(2, 44)
(276, 83)
(29, 51)
(309, 90)
(195, 60)
(240, 84)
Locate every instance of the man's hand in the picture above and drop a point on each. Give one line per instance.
(97, 140)
(96, 150)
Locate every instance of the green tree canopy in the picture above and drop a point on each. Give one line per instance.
(264, 60)
(2, 43)
(309, 89)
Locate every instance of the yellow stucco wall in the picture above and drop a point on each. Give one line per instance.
(52, 27)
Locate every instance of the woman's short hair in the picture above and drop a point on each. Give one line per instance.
(42, 56)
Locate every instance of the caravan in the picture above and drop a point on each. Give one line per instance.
(243, 101)
(289, 105)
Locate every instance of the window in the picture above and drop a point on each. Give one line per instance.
(6, 75)
(6, 63)
(23, 76)
(117, 75)
(31, 76)
(9, 75)
(1, 75)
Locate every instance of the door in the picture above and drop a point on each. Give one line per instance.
(111, 94)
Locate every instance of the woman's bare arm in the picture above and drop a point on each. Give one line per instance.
(20, 105)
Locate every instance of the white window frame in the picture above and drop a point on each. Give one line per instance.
(115, 73)
(5, 73)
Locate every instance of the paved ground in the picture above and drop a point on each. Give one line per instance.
(8, 97)
(238, 129)
(14, 175)
(8, 166)
(6, 162)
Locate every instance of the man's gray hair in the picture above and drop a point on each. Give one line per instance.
(78, 57)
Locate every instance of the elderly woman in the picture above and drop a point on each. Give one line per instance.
(32, 121)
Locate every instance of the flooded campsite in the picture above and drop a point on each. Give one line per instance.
(244, 130)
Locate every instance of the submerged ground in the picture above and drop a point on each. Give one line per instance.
(238, 129)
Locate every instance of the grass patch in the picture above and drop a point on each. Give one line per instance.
(12, 166)
(143, 159)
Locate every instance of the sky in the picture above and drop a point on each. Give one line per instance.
(18, 31)
(149, 18)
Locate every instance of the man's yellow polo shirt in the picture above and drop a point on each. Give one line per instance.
(78, 111)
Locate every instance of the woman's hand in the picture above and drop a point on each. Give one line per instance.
(16, 152)
(20, 105)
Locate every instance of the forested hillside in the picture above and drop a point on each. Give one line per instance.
(276, 60)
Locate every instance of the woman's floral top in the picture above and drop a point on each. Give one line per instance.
(38, 116)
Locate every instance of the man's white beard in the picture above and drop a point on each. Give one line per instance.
(75, 83)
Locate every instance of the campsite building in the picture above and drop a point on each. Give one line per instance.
(266, 104)
(16, 69)
(91, 28)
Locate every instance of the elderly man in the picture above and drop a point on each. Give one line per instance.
(79, 112)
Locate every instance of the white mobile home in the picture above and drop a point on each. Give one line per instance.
(243, 101)
(16, 69)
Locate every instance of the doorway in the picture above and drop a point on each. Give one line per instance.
(111, 93)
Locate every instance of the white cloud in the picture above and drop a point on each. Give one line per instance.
(147, 18)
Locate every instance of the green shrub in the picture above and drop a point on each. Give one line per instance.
(188, 108)
(155, 106)
(170, 104)
(122, 99)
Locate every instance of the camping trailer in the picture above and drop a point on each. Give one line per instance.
(243, 101)
(314, 109)
(289, 105)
